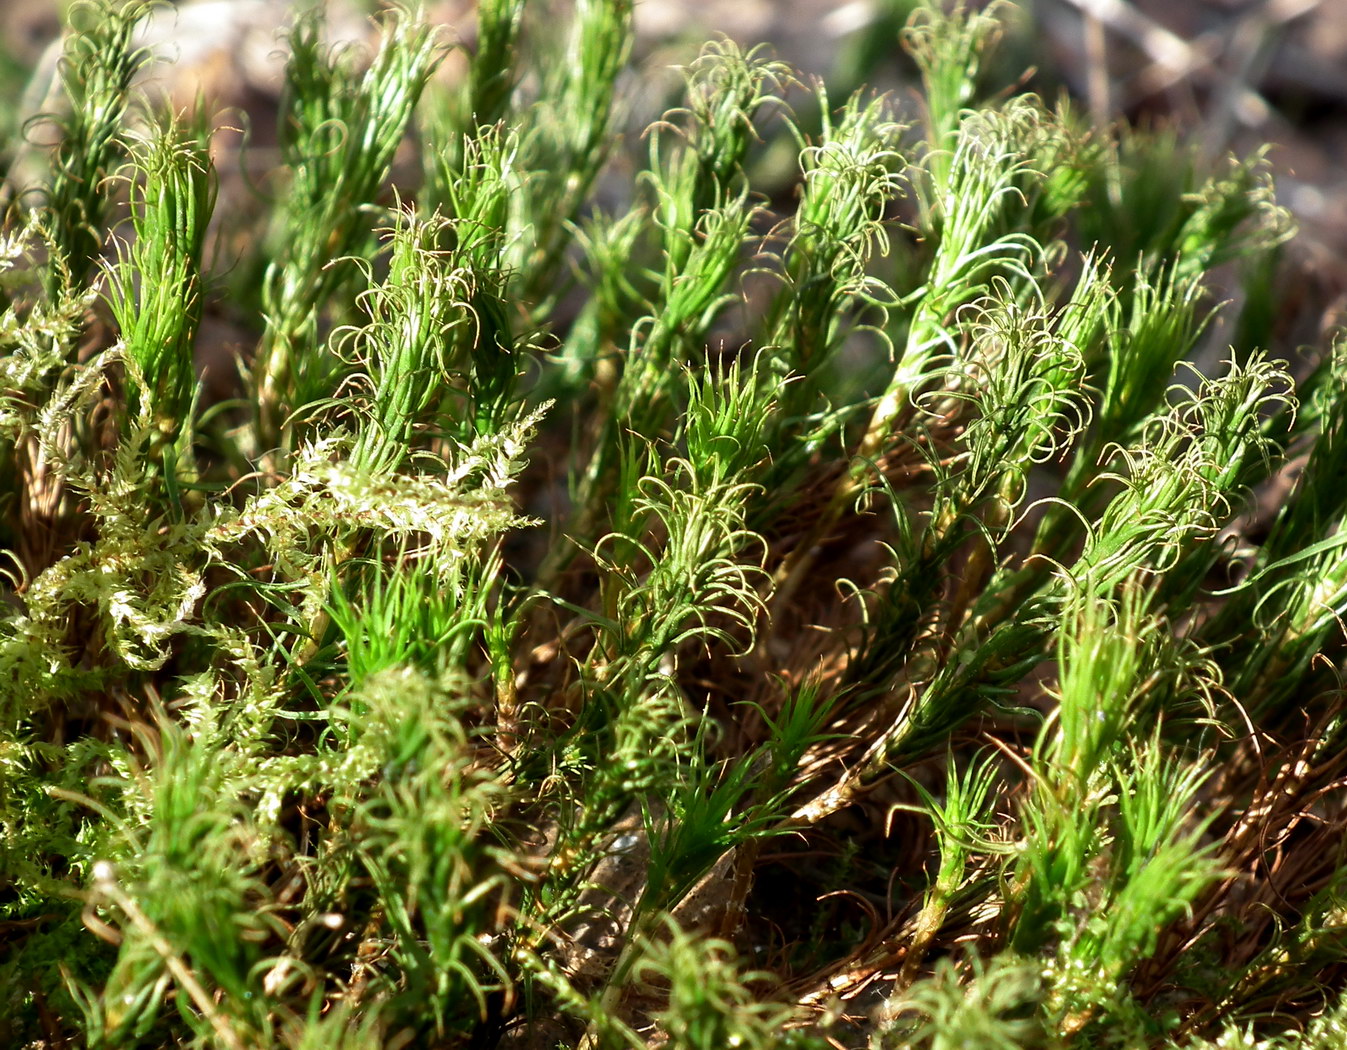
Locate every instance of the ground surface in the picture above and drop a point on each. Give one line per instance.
(1236, 73)
(1237, 76)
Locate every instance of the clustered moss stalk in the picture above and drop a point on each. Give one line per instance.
(610, 612)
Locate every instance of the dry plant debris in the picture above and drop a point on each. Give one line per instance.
(832, 571)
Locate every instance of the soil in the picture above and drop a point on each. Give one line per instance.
(1237, 74)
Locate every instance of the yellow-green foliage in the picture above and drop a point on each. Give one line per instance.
(522, 648)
